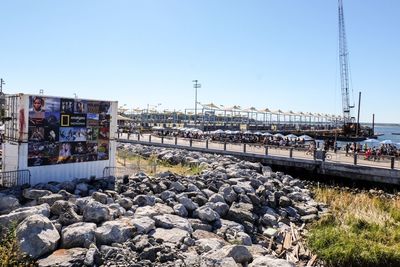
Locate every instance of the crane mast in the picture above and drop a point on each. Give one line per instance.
(344, 66)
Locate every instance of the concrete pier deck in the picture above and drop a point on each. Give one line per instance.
(339, 165)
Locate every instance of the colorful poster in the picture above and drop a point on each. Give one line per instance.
(63, 130)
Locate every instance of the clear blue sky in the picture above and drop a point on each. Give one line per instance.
(280, 54)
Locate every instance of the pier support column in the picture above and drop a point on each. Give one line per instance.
(392, 162)
(266, 150)
(315, 154)
(190, 142)
(224, 146)
(176, 140)
(207, 144)
(291, 152)
(162, 139)
(149, 138)
(244, 148)
(138, 137)
(355, 158)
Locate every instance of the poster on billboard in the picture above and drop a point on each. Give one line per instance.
(63, 130)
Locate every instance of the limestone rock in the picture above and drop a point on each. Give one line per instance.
(64, 258)
(78, 235)
(37, 236)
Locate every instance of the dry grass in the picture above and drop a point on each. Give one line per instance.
(362, 230)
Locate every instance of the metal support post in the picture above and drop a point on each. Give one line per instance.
(224, 146)
(291, 152)
(176, 140)
(207, 144)
(355, 158)
(162, 139)
(190, 142)
(266, 150)
(392, 162)
(244, 148)
(150, 138)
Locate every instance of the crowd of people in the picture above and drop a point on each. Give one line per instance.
(373, 152)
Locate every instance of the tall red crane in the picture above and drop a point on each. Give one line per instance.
(344, 67)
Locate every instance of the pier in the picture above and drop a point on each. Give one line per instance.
(337, 165)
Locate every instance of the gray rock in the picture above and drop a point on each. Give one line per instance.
(238, 252)
(144, 200)
(64, 258)
(173, 235)
(177, 186)
(180, 210)
(284, 201)
(34, 194)
(169, 221)
(61, 206)
(269, 220)
(209, 244)
(143, 225)
(8, 203)
(78, 235)
(20, 214)
(116, 210)
(228, 193)
(216, 198)
(270, 261)
(93, 256)
(125, 202)
(220, 207)
(225, 262)
(199, 225)
(241, 212)
(239, 238)
(37, 236)
(151, 211)
(117, 231)
(69, 217)
(167, 195)
(100, 197)
(81, 189)
(206, 214)
(50, 199)
(187, 203)
(309, 218)
(96, 212)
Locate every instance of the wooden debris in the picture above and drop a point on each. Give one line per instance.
(312, 261)
(287, 243)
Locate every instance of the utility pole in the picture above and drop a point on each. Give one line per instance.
(1, 85)
(195, 85)
(358, 115)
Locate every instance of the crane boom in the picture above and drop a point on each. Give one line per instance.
(344, 66)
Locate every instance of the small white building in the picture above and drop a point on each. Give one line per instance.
(58, 138)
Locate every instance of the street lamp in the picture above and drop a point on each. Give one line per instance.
(195, 85)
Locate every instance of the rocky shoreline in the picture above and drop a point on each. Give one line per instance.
(235, 213)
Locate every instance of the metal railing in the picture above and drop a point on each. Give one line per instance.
(15, 178)
(387, 162)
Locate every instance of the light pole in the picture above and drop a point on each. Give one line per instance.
(195, 85)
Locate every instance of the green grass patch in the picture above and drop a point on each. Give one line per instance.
(362, 231)
(10, 255)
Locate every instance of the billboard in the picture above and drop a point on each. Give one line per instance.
(64, 130)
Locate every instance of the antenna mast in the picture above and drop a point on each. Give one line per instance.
(344, 66)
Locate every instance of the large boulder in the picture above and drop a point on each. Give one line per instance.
(187, 203)
(169, 221)
(96, 212)
(8, 203)
(228, 193)
(270, 261)
(173, 235)
(143, 224)
(125, 202)
(151, 211)
(37, 236)
(50, 199)
(209, 244)
(241, 212)
(238, 252)
(206, 214)
(144, 200)
(20, 214)
(117, 231)
(78, 235)
(34, 194)
(64, 258)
